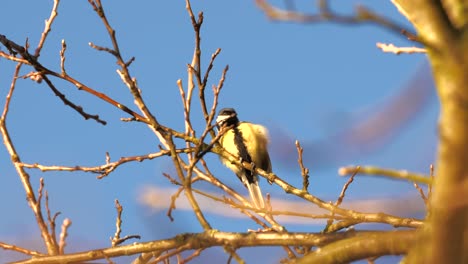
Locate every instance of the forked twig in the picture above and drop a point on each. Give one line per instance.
(304, 170)
(24, 176)
(117, 240)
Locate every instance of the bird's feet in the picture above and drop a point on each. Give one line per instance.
(253, 168)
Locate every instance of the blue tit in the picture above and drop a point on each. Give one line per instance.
(248, 142)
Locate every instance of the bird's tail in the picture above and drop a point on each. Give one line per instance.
(256, 195)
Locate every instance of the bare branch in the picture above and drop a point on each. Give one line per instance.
(117, 240)
(43, 71)
(403, 174)
(62, 57)
(421, 193)
(356, 248)
(361, 15)
(107, 168)
(63, 235)
(64, 99)
(30, 196)
(342, 195)
(304, 170)
(399, 50)
(47, 28)
(214, 238)
(20, 249)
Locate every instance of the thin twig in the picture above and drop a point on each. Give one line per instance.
(24, 176)
(47, 28)
(186, 104)
(364, 217)
(431, 176)
(421, 193)
(170, 254)
(341, 196)
(63, 235)
(43, 71)
(105, 169)
(129, 81)
(77, 108)
(390, 48)
(214, 238)
(195, 254)
(233, 204)
(118, 224)
(20, 249)
(360, 16)
(50, 219)
(233, 255)
(117, 240)
(345, 187)
(172, 206)
(62, 57)
(304, 170)
(395, 174)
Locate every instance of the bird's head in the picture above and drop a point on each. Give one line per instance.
(226, 117)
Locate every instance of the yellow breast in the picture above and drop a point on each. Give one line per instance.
(255, 138)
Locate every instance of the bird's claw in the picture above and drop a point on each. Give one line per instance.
(253, 166)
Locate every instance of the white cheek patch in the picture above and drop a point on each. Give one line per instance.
(220, 119)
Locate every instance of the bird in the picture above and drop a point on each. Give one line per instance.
(249, 142)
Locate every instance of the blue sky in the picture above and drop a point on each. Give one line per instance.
(302, 81)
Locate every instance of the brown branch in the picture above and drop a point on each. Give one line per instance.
(233, 255)
(195, 254)
(62, 57)
(394, 174)
(362, 15)
(172, 206)
(304, 170)
(431, 22)
(25, 251)
(357, 248)
(186, 102)
(128, 80)
(105, 169)
(244, 207)
(431, 176)
(421, 193)
(69, 103)
(24, 176)
(117, 240)
(214, 238)
(345, 187)
(201, 148)
(186, 181)
(175, 251)
(118, 223)
(13, 58)
(363, 217)
(51, 220)
(288, 188)
(47, 28)
(12, 46)
(341, 196)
